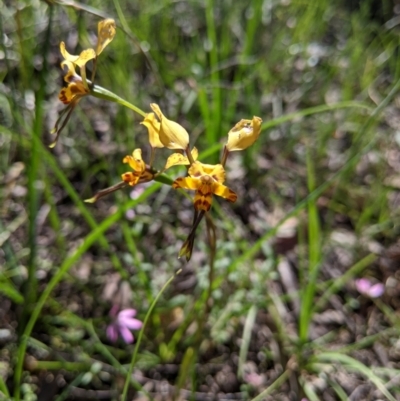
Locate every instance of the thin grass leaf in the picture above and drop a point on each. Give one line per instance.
(245, 344)
(356, 366)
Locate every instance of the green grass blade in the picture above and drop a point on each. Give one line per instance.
(61, 272)
(356, 366)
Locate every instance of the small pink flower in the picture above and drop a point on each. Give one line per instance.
(123, 322)
(365, 287)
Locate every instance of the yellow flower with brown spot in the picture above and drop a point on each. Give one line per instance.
(172, 135)
(78, 86)
(140, 173)
(206, 180)
(243, 134)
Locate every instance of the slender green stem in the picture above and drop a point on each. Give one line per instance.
(140, 336)
(64, 268)
(274, 386)
(105, 94)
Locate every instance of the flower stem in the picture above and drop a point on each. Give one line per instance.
(105, 94)
(139, 340)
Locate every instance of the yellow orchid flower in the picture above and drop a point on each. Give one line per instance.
(172, 135)
(243, 134)
(70, 96)
(105, 34)
(77, 84)
(206, 180)
(141, 173)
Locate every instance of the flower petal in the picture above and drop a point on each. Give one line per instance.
(203, 196)
(363, 285)
(135, 161)
(73, 90)
(172, 134)
(127, 313)
(133, 324)
(105, 34)
(244, 134)
(186, 183)
(376, 290)
(126, 335)
(112, 333)
(131, 178)
(81, 60)
(153, 126)
(178, 159)
(224, 192)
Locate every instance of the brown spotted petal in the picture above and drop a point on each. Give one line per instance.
(137, 165)
(178, 159)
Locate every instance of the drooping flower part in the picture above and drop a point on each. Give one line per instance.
(243, 134)
(78, 86)
(365, 287)
(122, 323)
(172, 135)
(206, 180)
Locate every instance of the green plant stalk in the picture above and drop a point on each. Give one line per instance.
(251, 29)
(105, 94)
(356, 269)
(273, 386)
(3, 388)
(214, 128)
(314, 254)
(244, 347)
(103, 350)
(90, 239)
(355, 366)
(33, 177)
(140, 336)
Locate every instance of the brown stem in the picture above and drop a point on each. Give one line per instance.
(106, 191)
(224, 156)
(189, 155)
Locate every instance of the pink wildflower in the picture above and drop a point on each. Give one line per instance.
(122, 323)
(365, 287)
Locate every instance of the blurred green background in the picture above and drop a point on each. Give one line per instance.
(276, 315)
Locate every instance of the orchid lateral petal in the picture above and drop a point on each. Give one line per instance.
(186, 183)
(178, 159)
(81, 60)
(224, 192)
(105, 34)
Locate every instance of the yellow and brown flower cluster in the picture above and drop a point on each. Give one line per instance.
(205, 179)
